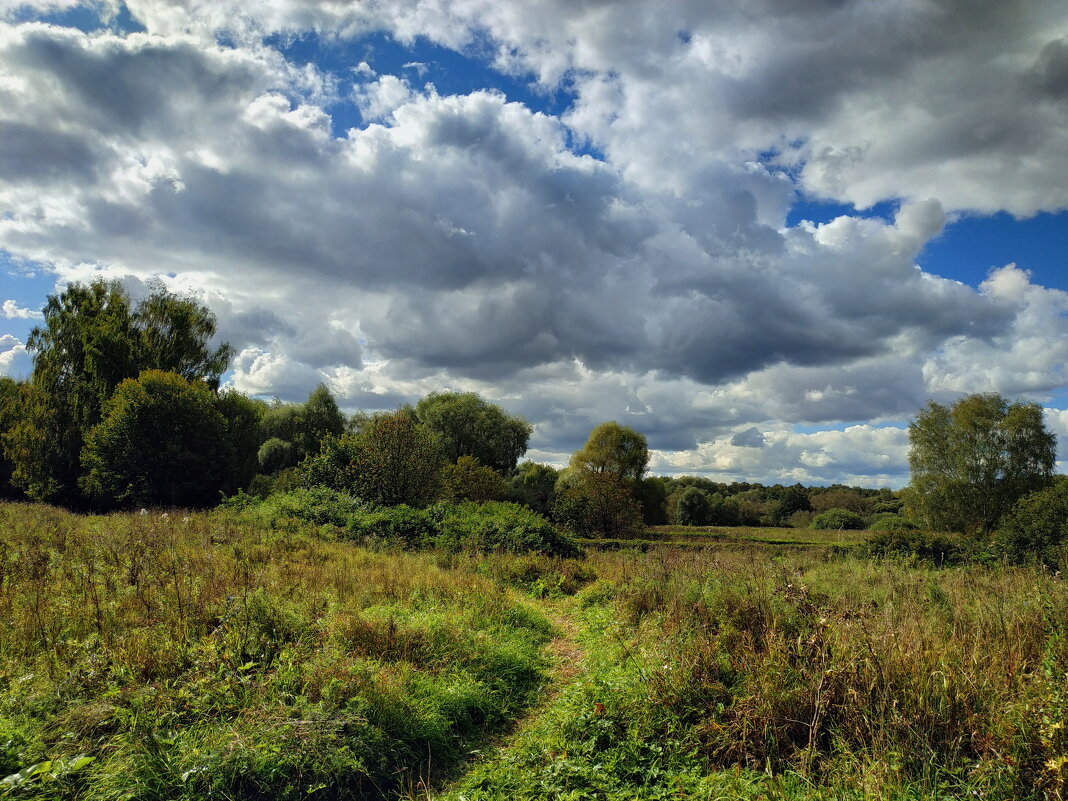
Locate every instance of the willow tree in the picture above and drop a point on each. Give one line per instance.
(973, 460)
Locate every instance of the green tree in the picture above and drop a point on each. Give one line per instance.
(10, 414)
(972, 461)
(391, 459)
(691, 508)
(613, 450)
(467, 480)
(1036, 528)
(157, 445)
(242, 415)
(597, 505)
(468, 425)
(321, 419)
(533, 485)
(89, 341)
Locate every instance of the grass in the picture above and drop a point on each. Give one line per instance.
(191, 656)
(790, 674)
(144, 657)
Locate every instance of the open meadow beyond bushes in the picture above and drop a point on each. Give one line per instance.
(211, 656)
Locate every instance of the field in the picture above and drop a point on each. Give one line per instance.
(150, 657)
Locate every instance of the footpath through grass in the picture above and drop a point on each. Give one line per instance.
(792, 675)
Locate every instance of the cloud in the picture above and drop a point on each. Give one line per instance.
(14, 359)
(12, 311)
(466, 241)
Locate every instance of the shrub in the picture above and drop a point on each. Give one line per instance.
(393, 525)
(1037, 527)
(838, 519)
(498, 526)
(276, 454)
(930, 546)
(893, 523)
(469, 480)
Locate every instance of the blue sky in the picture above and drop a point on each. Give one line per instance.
(698, 219)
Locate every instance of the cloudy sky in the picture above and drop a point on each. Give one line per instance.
(762, 233)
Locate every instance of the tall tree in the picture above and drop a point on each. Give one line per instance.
(468, 425)
(89, 341)
(972, 461)
(614, 450)
(161, 442)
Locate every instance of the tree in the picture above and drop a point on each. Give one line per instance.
(158, 445)
(533, 485)
(242, 415)
(468, 425)
(613, 450)
(321, 419)
(391, 459)
(1036, 528)
(10, 414)
(90, 340)
(691, 508)
(467, 480)
(971, 462)
(597, 505)
(304, 426)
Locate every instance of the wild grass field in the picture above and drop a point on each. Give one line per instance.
(203, 656)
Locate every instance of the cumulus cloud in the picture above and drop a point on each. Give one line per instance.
(12, 311)
(14, 359)
(467, 241)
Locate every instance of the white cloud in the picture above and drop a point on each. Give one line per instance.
(12, 311)
(459, 241)
(14, 359)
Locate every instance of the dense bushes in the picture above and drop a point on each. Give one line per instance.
(470, 526)
(838, 519)
(1037, 527)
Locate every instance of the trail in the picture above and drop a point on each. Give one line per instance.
(568, 665)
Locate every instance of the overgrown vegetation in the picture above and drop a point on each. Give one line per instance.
(199, 657)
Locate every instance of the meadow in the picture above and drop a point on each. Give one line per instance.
(211, 656)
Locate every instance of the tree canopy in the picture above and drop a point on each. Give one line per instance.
(973, 460)
(469, 425)
(615, 450)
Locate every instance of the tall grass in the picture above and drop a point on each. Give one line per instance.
(148, 656)
(797, 675)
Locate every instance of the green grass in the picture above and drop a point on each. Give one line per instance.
(209, 656)
(146, 657)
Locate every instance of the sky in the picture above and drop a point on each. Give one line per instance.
(763, 234)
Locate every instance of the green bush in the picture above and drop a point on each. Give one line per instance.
(892, 523)
(1037, 527)
(838, 519)
(497, 526)
(393, 525)
(929, 546)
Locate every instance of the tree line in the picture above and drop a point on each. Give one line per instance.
(124, 409)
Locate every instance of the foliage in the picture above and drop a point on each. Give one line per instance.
(893, 523)
(1037, 527)
(534, 485)
(614, 450)
(839, 498)
(971, 462)
(597, 505)
(276, 454)
(938, 548)
(838, 519)
(691, 508)
(498, 526)
(304, 426)
(392, 459)
(10, 412)
(89, 342)
(242, 415)
(468, 480)
(158, 444)
(468, 425)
